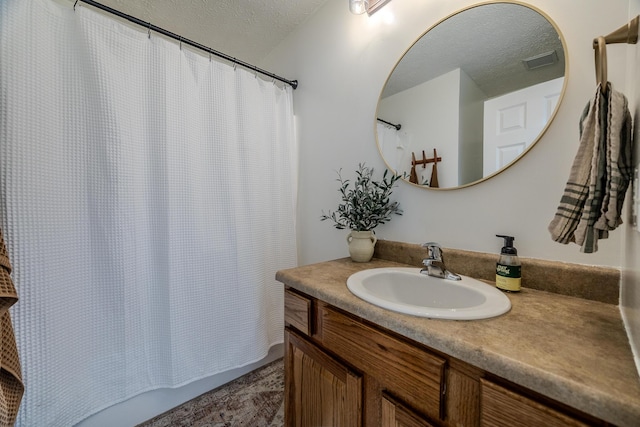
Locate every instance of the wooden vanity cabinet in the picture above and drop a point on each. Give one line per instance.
(320, 391)
(395, 414)
(390, 363)
(502, 407)
(341, 370)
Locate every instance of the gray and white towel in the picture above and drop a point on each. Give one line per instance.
(591, 205)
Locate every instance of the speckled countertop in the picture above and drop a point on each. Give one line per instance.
(573, 350)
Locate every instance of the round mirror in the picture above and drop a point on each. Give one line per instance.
(471, 96)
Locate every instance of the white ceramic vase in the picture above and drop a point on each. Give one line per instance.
(361, 245)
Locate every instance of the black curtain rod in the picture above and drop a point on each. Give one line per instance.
(150, 27)
(390, 124)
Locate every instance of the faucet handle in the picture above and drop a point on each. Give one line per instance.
(434, 250)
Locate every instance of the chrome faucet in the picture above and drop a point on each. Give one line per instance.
(434, 263)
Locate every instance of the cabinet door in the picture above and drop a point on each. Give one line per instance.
(505, 408)
(319, 390)
(402, 368)
(394, 414)
(463, 395)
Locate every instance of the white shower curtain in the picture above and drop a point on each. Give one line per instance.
(147, 196)
(392, 146)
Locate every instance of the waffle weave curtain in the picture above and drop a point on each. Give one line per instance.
(147, 195)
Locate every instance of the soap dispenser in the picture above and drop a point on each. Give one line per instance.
(508, 269)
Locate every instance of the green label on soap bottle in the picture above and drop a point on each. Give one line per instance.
(508, 277)
(512, 271)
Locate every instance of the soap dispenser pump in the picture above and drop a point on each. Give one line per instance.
(508, 268)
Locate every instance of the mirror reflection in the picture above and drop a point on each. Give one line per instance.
(471, 96)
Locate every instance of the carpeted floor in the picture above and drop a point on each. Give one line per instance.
(253, 400)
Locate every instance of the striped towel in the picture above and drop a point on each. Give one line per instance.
(619, 162)
(591, 205)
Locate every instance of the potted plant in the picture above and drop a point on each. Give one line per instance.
(364, 206)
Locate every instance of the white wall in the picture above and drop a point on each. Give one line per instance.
(433, 109)
(471, 130)
(342, 62)
(630, 289)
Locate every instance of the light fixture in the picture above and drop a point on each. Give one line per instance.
(358, 7)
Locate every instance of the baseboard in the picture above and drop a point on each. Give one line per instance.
(150, 404)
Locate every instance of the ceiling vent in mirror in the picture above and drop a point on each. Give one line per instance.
(542, 60)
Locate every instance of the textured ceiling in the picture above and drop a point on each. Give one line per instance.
(488, 43)
(244, 29)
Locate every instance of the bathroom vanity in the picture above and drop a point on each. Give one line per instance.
(553, 360)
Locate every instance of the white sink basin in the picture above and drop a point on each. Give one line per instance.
(408, 291)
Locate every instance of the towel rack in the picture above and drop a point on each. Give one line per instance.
(628, 33)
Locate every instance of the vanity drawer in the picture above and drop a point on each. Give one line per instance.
(502, 407)
(408, 372)
(297, 311)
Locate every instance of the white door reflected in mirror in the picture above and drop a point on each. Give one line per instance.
(513, 121)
